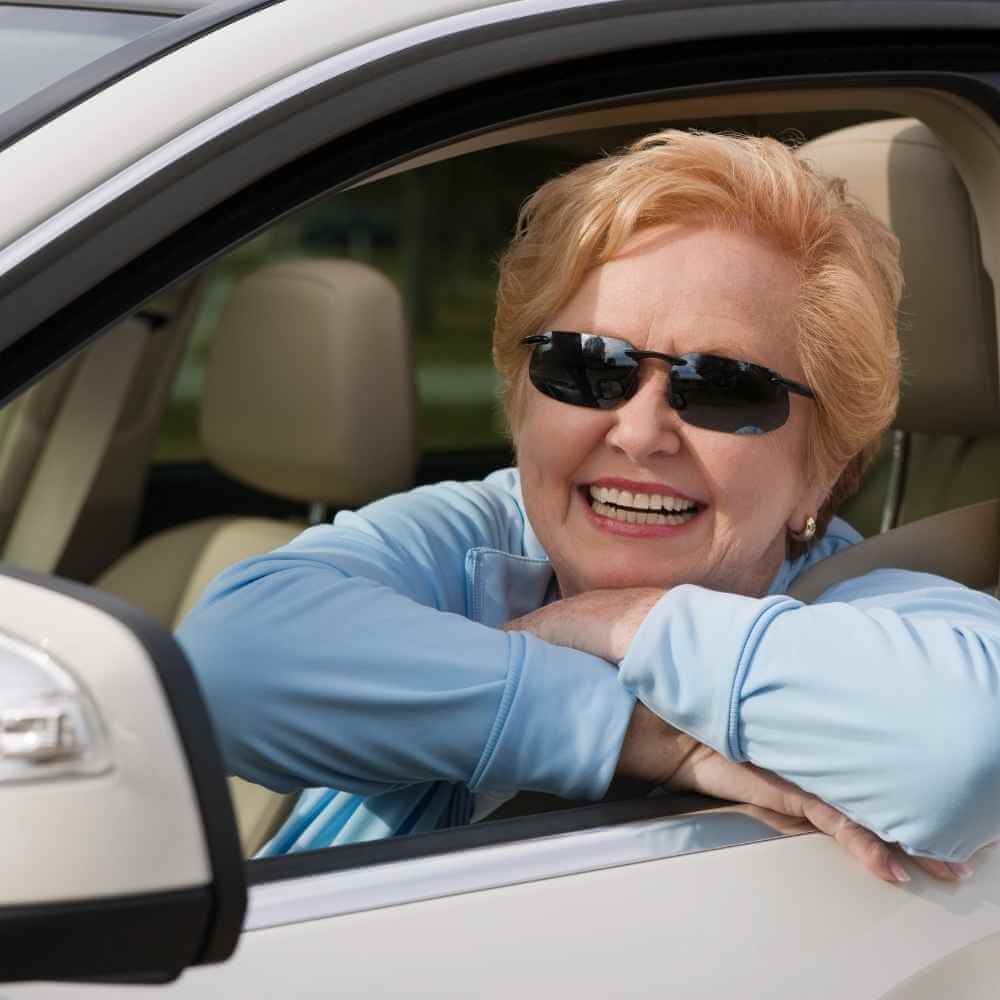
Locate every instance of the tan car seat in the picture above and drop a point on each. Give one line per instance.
(950, 401)
(949, 414)
(102, 529)
(309, 395)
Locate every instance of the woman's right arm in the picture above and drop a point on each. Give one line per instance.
(345, 660)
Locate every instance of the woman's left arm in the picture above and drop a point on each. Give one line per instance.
(882, 699)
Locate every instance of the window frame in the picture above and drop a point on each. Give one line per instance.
(374, 120)
(429, 87)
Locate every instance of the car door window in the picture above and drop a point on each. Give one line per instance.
(41, 45)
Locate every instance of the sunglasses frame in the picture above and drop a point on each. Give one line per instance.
(789, 385)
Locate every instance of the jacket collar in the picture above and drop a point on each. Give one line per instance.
(504, 585)
(532, 546)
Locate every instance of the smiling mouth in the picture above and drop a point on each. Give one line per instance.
(640, 508)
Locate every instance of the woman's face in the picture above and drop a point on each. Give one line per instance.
(673, 290)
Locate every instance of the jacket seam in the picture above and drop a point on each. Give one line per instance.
(734, 751)
(514, 671)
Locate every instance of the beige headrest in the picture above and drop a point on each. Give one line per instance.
(309, 392)
(947, 324)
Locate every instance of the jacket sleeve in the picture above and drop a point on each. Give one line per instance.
(883, 698)
(345, 660)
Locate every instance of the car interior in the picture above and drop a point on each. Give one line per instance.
(238, 406)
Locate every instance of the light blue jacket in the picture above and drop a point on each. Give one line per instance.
(363, 662)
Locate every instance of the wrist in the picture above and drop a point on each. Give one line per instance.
(652, 750)
(631, 614)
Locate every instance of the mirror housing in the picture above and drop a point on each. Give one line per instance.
(121, 858)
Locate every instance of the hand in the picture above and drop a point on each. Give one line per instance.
(703, 770)
(600, 622)
(603, 623)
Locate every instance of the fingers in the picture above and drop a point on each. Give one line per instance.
(947, 871)
(875, 855)
(706, 771)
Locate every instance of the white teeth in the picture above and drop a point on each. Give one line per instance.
(641, 508)
(676, 504)
(639, 516)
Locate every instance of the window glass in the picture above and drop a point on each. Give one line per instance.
(40, 45)
(437, 233)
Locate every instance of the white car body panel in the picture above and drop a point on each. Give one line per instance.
(284, 39)
(792, 918)
(148, 808)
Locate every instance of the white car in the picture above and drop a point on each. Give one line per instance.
(152, 152)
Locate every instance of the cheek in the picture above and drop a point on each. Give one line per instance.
(553, 441)
(753, 480)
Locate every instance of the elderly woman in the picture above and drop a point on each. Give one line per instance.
(697, 342)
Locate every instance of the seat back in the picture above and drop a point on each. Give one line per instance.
(308, 378)
(962, 545)
(106, 521)
(950, 404)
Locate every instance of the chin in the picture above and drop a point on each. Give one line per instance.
(628, 577)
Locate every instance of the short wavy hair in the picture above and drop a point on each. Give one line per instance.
(847, 259)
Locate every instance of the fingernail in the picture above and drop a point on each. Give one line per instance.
(963, 871)
(899, 873)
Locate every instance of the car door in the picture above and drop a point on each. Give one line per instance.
(638, 897)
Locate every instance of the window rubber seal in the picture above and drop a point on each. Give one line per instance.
(488, 833)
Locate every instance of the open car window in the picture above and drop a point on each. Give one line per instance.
(435, 233)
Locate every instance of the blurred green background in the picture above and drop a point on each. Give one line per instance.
(437, 232)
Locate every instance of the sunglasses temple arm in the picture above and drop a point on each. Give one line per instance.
(796, 387)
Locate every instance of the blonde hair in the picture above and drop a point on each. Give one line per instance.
(848, 263)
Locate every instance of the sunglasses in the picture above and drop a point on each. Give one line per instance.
(706, 390)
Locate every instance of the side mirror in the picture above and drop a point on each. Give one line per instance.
(121, 860)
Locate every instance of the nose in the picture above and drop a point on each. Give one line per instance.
(646, 426)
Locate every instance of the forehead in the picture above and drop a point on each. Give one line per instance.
(678, 289)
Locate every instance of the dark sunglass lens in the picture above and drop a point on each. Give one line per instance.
(720, 394)
(583, 370)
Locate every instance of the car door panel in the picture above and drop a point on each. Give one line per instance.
(789, 918)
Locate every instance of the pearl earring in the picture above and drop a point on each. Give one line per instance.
(807, 533)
